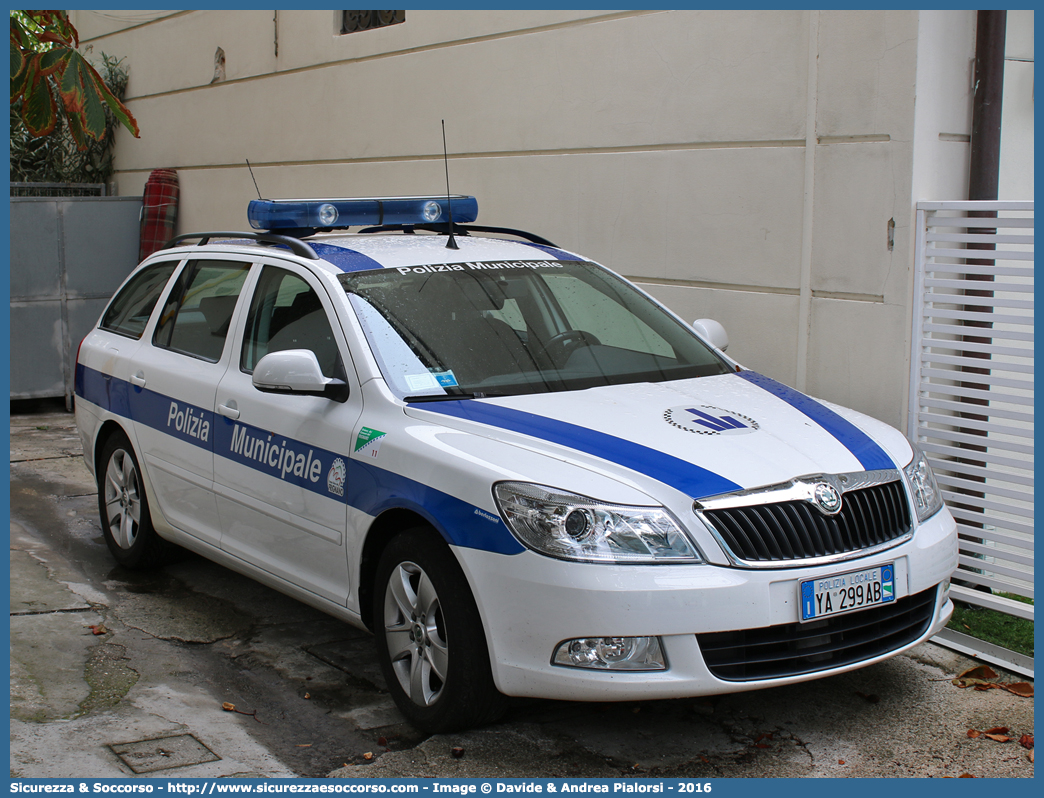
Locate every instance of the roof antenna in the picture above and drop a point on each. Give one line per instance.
(254, 179)
(452, 242)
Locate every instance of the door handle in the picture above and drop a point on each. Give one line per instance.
(138, 379)
(229, 411)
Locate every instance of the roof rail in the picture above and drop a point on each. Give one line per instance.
(295, 245)
(459, 229)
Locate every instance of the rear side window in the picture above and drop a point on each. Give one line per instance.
(198, 312)
(129, 311)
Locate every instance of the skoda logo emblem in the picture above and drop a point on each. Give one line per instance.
(827, 498)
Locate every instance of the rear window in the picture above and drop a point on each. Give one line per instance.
(130, 309)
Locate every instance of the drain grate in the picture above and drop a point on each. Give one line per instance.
(164, 753)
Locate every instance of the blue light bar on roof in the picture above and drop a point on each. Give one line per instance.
(298, 214)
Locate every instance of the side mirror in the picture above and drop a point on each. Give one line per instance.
(296, 371)
(712, 332)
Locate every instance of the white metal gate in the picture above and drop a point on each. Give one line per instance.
(971, 387)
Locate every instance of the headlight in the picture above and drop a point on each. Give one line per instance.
(926, 497)
(573, 527)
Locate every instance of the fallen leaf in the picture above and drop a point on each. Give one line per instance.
(368, 756)
(232, 708)
(840, 761)
(1030, 756)
(382, 741)
(1024, 689)
(984, 672)
(997, 730)
(973, 734)
(763, 736)
(981, 674)
(307, 695)
(966, 776)
(458, 752)
(304, 745)
(99, 629)
(997, 738)
(1026, 741)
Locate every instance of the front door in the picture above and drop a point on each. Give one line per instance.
(281, 460)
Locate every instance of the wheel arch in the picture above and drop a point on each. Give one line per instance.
(381, 532)
(108, 428)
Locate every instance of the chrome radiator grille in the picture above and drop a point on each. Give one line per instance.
(797, 530)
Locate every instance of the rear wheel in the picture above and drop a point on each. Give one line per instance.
(124, 508)
(430, 640)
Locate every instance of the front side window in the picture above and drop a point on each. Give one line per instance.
(519, 327)
(198, 312)
(286, 313)
(129, 311)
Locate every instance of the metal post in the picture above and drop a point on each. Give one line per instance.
(983, 184)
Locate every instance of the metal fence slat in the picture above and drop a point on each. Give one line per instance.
(978, 238)
(982, 254)
(995, 364)
(1009, 270)
(953, 329)
(979, 379)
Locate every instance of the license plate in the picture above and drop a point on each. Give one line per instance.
(841, 593)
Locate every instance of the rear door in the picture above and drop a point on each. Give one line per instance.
(174, 380)
(281, 460)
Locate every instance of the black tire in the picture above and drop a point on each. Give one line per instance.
(123, 508)
(430, 641)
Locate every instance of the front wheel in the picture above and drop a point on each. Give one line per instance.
(430, 640)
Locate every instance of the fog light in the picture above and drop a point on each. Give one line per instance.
(611, 653)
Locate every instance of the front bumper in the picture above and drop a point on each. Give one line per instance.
(531, 603)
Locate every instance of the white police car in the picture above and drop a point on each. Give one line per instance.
(524, 475)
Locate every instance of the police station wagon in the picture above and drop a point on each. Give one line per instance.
(524, 475)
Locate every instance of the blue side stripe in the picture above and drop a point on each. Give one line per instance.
(347, 260)
(102, 390)
(554, 252)
(296, 462)
(368, 488)
(872, 456)
(684, 476)
(373, 490)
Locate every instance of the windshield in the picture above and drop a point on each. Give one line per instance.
(514, 327)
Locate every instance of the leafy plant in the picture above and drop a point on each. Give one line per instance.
(48, 73)
(63, 155)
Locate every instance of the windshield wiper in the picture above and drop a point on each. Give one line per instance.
(446, 397)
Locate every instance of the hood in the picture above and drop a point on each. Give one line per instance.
(703, 436)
